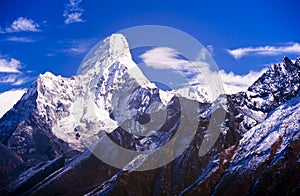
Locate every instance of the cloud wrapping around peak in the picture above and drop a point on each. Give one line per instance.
(22, 24)
(167, 58)
(234, 83)
(72, 12)
(293, 48)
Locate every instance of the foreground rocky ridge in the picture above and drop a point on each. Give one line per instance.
(259, 136)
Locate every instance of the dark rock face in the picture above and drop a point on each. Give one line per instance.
(279, 178)
(26, 138)
(33, 176)
(20, 112)
(79, 176)
(252, 154)
(159, 138)
(173, 178)
(11, 165)
(25, 132)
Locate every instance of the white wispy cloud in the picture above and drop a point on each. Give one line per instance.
(74, 17)
(77, 47)
(50, 54)
(20, 39)
(14, 79)
(290, 48)
(22, 24)
(10, 72)
(232, 83)
(163, 58)
(9, 98)
(167, 58)
(9, 65)
(72, 12)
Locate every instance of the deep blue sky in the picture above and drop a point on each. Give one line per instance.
(222, 24)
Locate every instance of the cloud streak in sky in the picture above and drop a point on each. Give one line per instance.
(72, 12)
(77, 47)
(293, 48)
(163, 58)
(22, 24)
(10, 73)
(20, 39)
(14, 79)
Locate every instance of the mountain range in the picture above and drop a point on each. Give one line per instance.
(54, 140)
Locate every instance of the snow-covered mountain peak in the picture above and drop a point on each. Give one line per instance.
(47, 75)
(108, 61)
(280, 77)
(286, 67)
(118, 46)
(286, 60)
(277, 85)
(105, 54)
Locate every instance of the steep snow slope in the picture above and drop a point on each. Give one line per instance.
(8, 99)
(264, 150)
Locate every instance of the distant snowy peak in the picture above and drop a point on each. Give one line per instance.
(196, 93)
